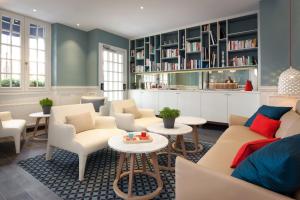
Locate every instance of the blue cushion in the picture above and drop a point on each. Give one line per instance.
(275, 167)
(269, 111)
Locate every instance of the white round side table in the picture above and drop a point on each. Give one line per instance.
(116, 142)
(39, 116)
(179, 130)
(194, 122)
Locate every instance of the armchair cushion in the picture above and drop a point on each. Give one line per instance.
(81, 122)
(133, 110)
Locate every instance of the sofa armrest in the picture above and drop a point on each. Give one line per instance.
(147, 112)
(195, 182)
(125, 121)
(106, 122)
(4, 116)
(59, 132)
(235, 120)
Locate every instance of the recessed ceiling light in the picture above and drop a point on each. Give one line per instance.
(142, 7)
(34, 10)
(77, 25)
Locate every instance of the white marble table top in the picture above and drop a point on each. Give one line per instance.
(190, 120)
(159, 142)
(179, 129)
(39, 114)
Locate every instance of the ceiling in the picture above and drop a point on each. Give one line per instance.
(125, 18)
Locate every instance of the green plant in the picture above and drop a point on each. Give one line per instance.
(5, 83)
(46, 102)
(168, 113)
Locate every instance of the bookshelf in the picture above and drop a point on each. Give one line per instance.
(220, 45)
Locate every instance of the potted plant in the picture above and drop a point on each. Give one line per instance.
(169, 115)
(46, 105)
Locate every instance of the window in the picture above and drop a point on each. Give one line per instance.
(24, 45)
(10, 52)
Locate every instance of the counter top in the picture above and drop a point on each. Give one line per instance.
(198, 90)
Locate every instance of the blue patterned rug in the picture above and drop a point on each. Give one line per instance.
(61, 175)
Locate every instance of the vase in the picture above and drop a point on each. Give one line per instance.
(46, 109)
(169, 123)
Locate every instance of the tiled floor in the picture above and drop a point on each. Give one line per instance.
(15, 183)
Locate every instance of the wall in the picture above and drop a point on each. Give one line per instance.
(274, 32)
(94, 38)
(69, 52)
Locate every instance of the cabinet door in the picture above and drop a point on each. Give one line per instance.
(214, 107)
(167, 99)
(243, 104)
(189, 103)
(149, 99)
(136, 96)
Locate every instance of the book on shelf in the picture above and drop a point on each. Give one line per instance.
(169, 53)
(213, 59)
(242, 44)
(132, 53)
(193, 46)
(205, 54)
(166, 66)
(139, 68)
(151, 48)
(243, 61)
(140, 54)
(193, 64)
(181, 62)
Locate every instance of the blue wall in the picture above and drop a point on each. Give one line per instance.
(75, 54)
(274, 30)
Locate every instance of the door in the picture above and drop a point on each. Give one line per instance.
(112, 72)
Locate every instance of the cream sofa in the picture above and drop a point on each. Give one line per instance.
(126, 121)
(64, 136)
(10, 127)
(210, 178)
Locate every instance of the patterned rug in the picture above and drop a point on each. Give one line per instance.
(61, 175)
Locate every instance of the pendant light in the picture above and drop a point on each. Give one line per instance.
(289, 80)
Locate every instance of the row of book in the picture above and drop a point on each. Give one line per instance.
(193, 46)
(140, 54)
(169, 53)
(243, 61)
(166, 66)
(193, 64)
(242, 44)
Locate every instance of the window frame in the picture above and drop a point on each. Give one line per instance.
(24, 34)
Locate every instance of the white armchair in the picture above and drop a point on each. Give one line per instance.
(126, 121)
(64, 136)
(12, 128)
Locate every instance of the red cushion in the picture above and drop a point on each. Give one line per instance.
(265, 126)
(248, 148)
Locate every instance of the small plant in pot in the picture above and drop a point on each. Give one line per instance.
(46, 105)
(169, 115)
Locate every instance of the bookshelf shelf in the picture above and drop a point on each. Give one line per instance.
(193, 39)
(169, 45)
(241, 50)
(139, 48)
(140, 59)
(242, 33)
(193, 52)
(169, 58)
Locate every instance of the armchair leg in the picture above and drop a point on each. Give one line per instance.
(50, 150)
(17, 142)
(82, 162)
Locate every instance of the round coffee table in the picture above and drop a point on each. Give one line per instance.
(38, 116)
(116, 142)
(179, 130)
(194, 122)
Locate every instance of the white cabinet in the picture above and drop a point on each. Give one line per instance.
(149, 99)
(167, 99)
(189, 103)
(243, 104)
(214, 107)
(136, 96)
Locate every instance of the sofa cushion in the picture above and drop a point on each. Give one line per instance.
(290, 125)
(219, 157)
(248, 148)
(81, 122)
(275, 167)
(272, 112)
(265, 126)
(142, 123)
(133, 110)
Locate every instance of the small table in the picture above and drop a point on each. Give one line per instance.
(39, 116)
(193, 122)
(116, 142)
(179, 130)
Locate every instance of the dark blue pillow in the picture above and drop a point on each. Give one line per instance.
(269, 111)
(275, 167)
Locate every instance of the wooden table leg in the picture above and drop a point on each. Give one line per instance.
(131, 174)
(182, 145)
(156, 170)
(144, 162)
(46, 124)
(37, 123)
(120, 165)
(196, 137)
(169, 152)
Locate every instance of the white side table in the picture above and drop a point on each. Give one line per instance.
(193, 122)
(39, 116)
(116, 142)
(179, 130)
